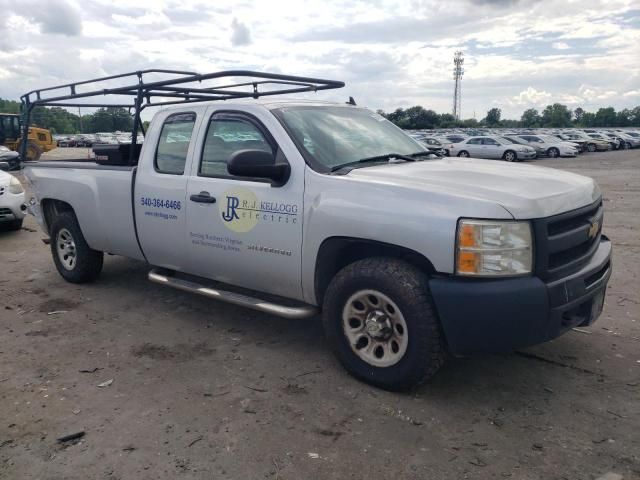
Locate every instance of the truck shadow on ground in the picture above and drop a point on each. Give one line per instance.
(509, 374)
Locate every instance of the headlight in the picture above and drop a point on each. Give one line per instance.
(493, 248)
(15, 186)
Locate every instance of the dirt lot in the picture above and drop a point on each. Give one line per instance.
(205, 390)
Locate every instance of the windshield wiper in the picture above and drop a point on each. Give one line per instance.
(421, 154)
(377, 158)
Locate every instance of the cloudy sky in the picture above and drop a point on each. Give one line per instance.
(518, 54)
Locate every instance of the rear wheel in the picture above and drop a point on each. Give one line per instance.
(381, 323)
(591, 147)
(510, 156)
(74, 259)
(463, 153)
(553, 152)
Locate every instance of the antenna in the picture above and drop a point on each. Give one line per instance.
(458, 71)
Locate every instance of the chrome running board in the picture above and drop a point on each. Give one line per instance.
(294, 313)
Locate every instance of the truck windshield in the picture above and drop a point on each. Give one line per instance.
(330, 136)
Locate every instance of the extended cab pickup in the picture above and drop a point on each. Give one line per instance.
(299, 207)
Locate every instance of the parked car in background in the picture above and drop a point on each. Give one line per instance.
(12, 206)
(540, 150)
(85, 140)
(493, 147)
(433, 145)
(9, 158)
(591, 144)
(614, 143)
(66, 142)
(630, 141)
(106, 138)
(552, 146)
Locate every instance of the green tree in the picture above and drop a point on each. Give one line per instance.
(556, 115)
(605, 117)
(578, 113)
(446, 120)
(493, 117)
(530, 118)
(588, 119)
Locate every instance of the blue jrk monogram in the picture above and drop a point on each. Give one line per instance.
(230, 214)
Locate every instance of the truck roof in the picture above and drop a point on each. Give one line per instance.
(269, 104)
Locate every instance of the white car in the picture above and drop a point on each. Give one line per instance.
(12, 207)
(553, 146)
(492, 148)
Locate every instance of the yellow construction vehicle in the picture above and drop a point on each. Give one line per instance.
(39, 140)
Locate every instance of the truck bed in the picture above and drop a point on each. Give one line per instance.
(100, 195)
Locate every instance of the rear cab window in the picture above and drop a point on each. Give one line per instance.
(173, 144)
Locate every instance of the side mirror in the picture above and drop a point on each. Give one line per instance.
(4, 166)
(258, 164)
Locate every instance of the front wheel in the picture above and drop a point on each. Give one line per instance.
(463, 153)
(553, 152)
(627, 145)
(75, 261)
(591, 147)
(380, 321)
(510, 156)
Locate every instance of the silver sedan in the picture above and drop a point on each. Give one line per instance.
(492, 147)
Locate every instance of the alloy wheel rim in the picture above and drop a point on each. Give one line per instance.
(66, 248)
(375, 328)
(509, 157)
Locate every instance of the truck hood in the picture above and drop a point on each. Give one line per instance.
(525, 191)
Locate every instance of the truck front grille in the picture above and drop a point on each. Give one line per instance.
(566, 242)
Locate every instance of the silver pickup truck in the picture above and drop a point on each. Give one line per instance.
(297, 207)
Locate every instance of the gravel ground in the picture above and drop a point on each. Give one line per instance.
(196, 389)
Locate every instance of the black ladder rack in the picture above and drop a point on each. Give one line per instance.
(170, 91)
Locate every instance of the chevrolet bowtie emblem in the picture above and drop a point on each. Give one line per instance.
(593, 230)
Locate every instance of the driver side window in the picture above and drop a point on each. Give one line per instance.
(226, 136)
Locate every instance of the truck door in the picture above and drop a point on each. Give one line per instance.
(160, 190)
(242, 231)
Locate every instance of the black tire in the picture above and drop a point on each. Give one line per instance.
(627, 145)
(88, 263)
(591, 147)
(464, 154)
(408, 288)
(510, 156)
(553, 152)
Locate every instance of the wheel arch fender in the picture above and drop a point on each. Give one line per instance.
(337, 252)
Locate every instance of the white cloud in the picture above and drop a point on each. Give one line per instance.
(391, 53)
(531, 96)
